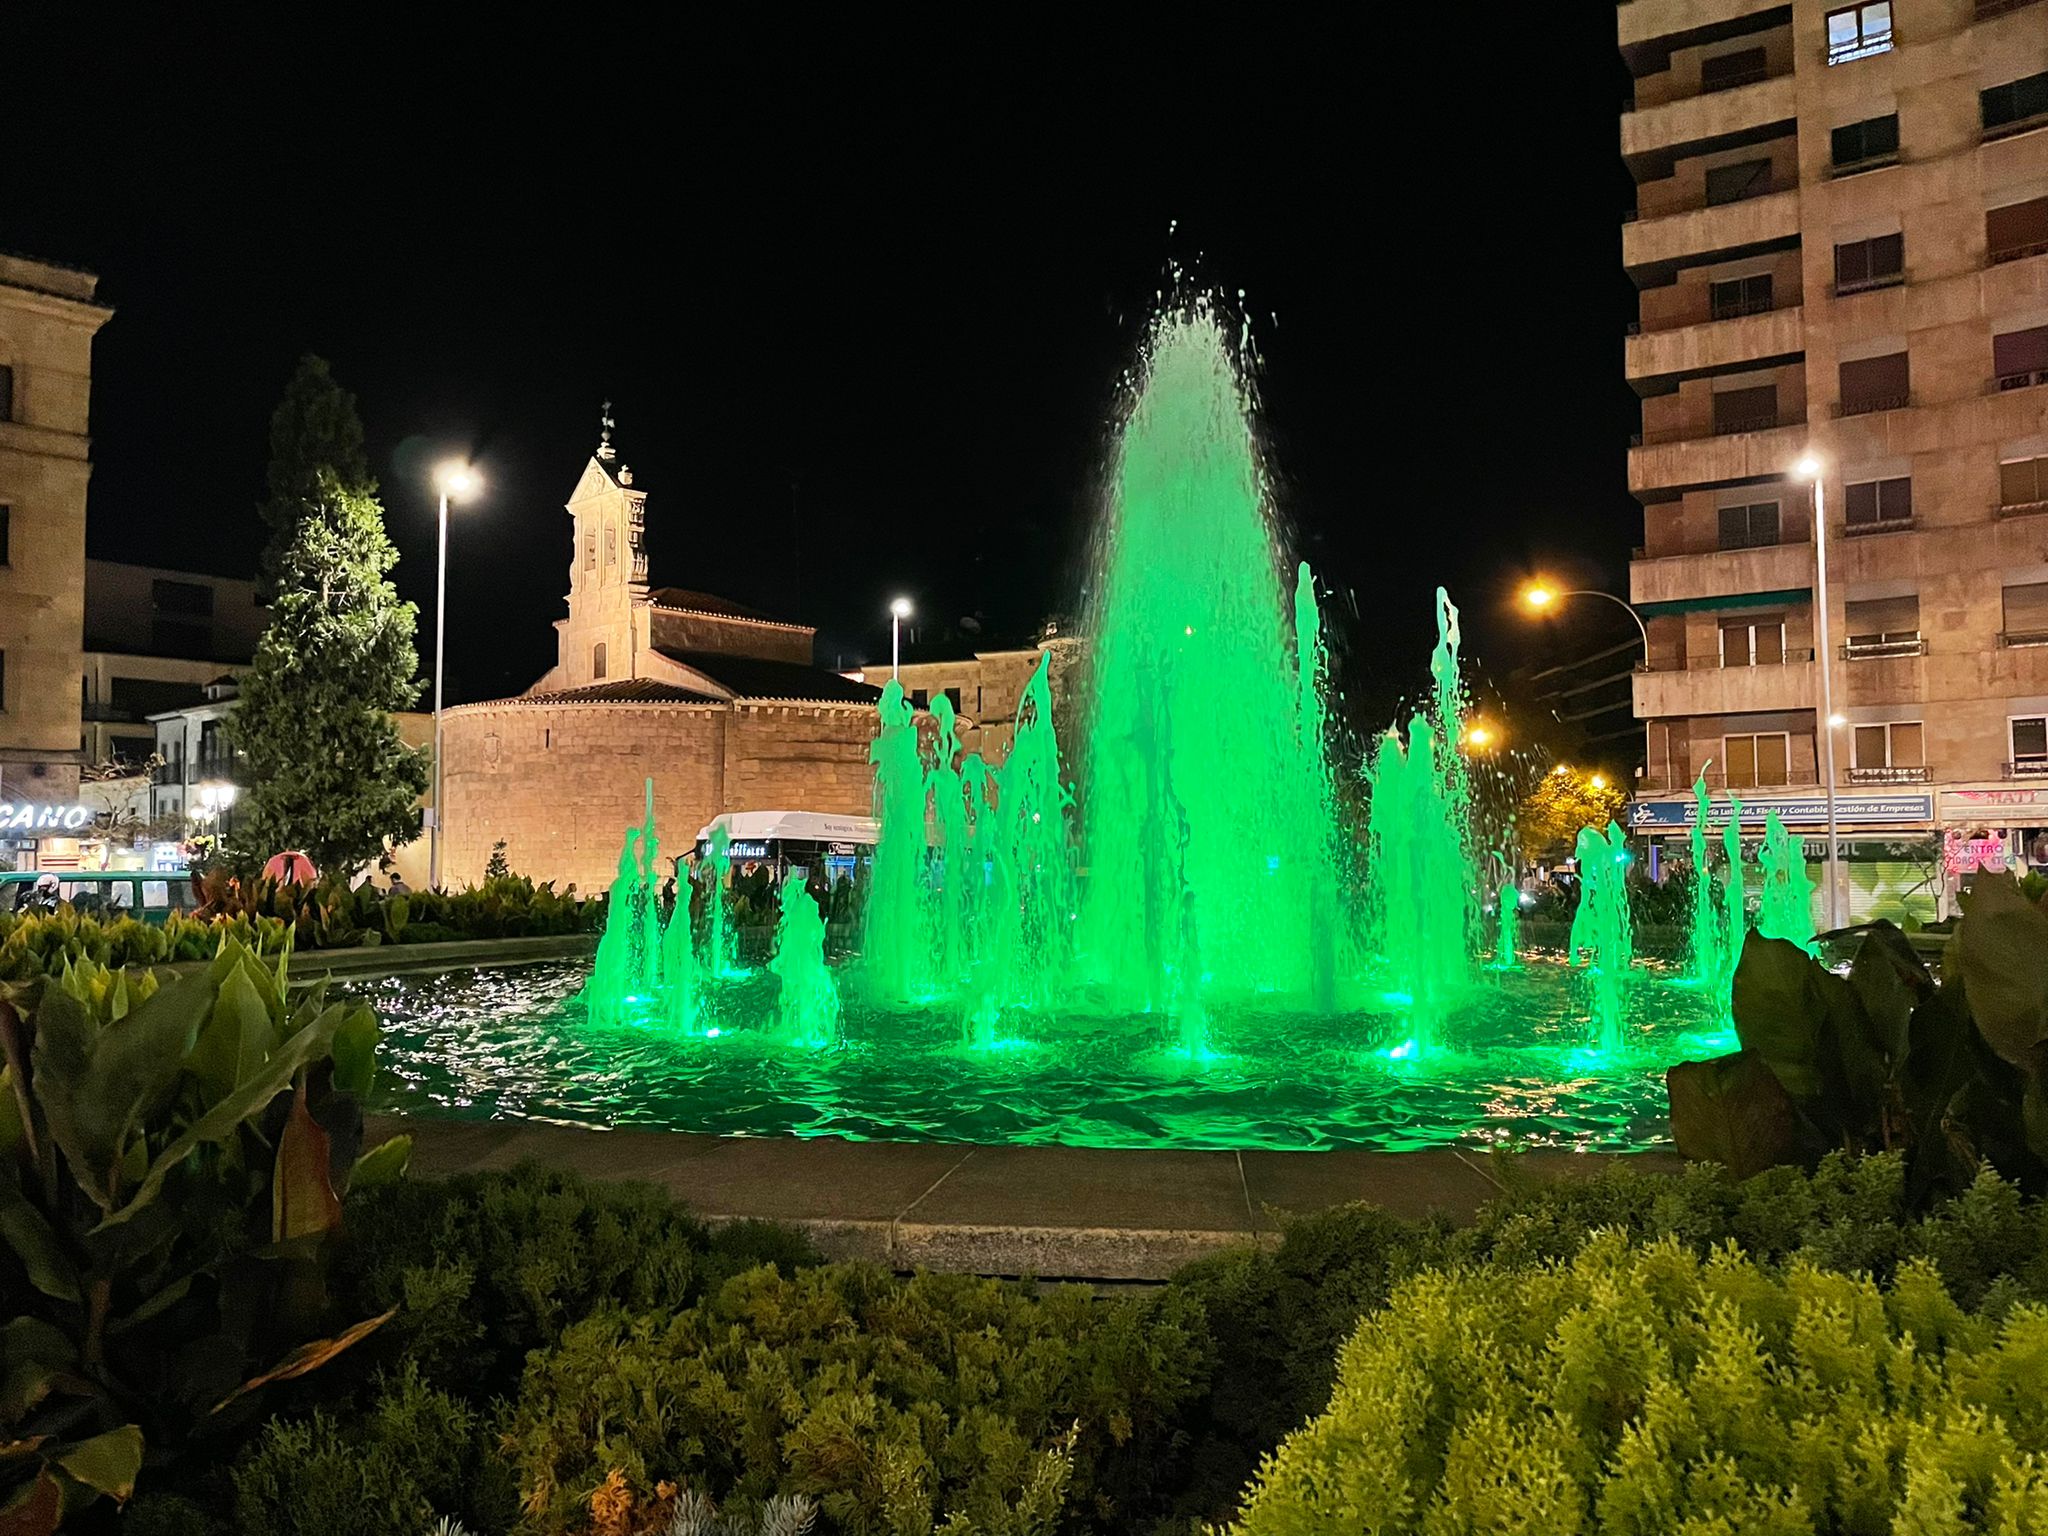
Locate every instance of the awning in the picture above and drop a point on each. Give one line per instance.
(795, 826)
(1777, 599)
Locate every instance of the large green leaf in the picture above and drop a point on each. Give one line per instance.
(237, 1037)
(382, 1164)
(1780, 1012)
(31, 1238)
(1732, 1110)
(355, 1052)
(133, 1070)
(64, 1032)
(223, 1117)
(2001, 951)
(107, 1463)
(1890, 981)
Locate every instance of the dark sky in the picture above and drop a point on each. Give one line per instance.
(861, 301)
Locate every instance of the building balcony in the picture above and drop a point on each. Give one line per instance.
(2019, 509)
(1880, 525)
(1709, 688)
(1720, 572)
(1688, 236)
(168, 774)
(1720, 343)
(1717, 460)
(1645, 21)
(2027, 768)
(1870, 405)
(1878, 650)
(1891, 775)
(1991, 10)
(218, 768)
(2026, 378)
(1657, 781)
(1714, 115)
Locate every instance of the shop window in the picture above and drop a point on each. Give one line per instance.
(1749, 527)
(1759, 761)
(1859, 31)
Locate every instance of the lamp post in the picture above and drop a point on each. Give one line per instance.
(1541, 598)
(1810, 467)
(898, 612)
(456, 480)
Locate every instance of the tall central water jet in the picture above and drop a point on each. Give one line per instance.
(1208, 834)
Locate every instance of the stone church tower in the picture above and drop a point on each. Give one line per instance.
(599, 641)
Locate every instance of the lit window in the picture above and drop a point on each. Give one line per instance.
(1859, 31)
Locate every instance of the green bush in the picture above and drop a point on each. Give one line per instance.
(898, 1405)
(38, 944)
(1639, 1391)
(486, 1267)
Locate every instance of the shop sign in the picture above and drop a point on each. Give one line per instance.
(1963, 855)
(1892, 809)
(21, 816)
(1976, 799)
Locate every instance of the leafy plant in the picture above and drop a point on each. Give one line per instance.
(1649, 1390)
(497, 866)
(171, 1165)
(696, 1515)
(1950, 1075)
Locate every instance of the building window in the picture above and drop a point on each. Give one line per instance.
(611, 545)
(1759, 761)
(1749, 527)
(1732, 183)
(1752, 642)
(2022, 483)
(2016, 230)
(1874, 140)
(2026, 614)
(919, 698)
(6, 513)
(1878, 262)
(2020, 358)
(1745, 410)
(590, 550)
(1875, 384)
(2029, 743)
(953, 698)
(597, 660)
(3, 682)
(1883, 626)
(1725, 71)
(6, 393)
(1895, 751)
(1876, 504)
(1740, 296)
(2015, 104)
(1859, 31)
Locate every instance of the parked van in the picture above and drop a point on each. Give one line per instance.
(147, 894)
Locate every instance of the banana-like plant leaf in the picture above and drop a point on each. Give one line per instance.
(31, 1238)
(61, 1053)
(134, 1069)
(14, 1049)
(382, 1164)
(222, 1118)
(309, 1357)
(2001, 951)
(232, 1045)
(1890, 981)
(107, 1463)
(36, 1509)
(1732, 1110)
(1779, 1013)
(302, 1198)
(355, 1053)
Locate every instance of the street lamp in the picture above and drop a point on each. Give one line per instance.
(1810, 468)
(898, 612)
(457, 481)
(1541, 597)
(1481, 735)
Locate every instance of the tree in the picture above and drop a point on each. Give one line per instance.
(1562, 802)
(315, 435)
(327, 771)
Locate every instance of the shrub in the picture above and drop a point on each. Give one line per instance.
(1648, 1390)
(898, 1405)
(485, 1267)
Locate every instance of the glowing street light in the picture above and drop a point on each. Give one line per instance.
(1598, 781)
(1541, 597)
(1811, 468)
(456, 481)
(899, 610)
(1480, 734)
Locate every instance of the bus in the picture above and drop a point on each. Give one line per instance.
(151, 895)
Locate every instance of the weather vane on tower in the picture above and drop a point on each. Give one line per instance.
(605, 450)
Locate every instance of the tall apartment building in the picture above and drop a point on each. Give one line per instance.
(47, 322)
(1840, 248)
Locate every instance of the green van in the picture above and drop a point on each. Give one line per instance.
(151, 895)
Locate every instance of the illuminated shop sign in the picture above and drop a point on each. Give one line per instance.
(19, 816)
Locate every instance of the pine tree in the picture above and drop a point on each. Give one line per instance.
(326, 770)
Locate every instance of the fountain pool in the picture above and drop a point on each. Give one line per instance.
(1511, 1068)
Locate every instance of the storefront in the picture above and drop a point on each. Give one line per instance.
(40, 835)
(1886, 842)
(1997, 829)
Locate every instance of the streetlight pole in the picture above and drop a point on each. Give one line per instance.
(459, 480)
(1543, 597)
(1811, 467)
(898, 612)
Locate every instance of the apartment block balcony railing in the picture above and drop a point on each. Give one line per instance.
(2020, 639)
(1870, 405)
(1844, 287)
(215, 768)
(2026, 378)
(1719, 309)
(1673, 781)
(1874, 650)
(172, 773)
(1989, 10)
(1879, 525)
(2016, 252)
(2027, 768)
(2018, 508)
(1877, 162)
(1690, 432)
(100, 709)
(1663, 664)
(1890, 774)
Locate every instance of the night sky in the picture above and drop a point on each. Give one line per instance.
(861, 302)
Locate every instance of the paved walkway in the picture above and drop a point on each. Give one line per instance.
(1086, 1213)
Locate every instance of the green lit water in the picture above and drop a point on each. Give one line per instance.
(1512, 1069)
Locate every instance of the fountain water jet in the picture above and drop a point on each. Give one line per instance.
(1785, 905)
(1602, 926)
(807, 1006)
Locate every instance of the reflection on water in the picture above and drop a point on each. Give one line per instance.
(1512, 1069)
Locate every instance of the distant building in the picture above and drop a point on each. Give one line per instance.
(1841, 247)
(48, 319)
(986, 687)
(1591, 695)
(154, 639)
(720, 706)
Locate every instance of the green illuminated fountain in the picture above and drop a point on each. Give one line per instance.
(1510, 899)
(1734, 895)
(1602, 929)
(1785, 905)
(718, 922)
(807, 1005)
(1207, 833)
(896, 962)
(1709, 954)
